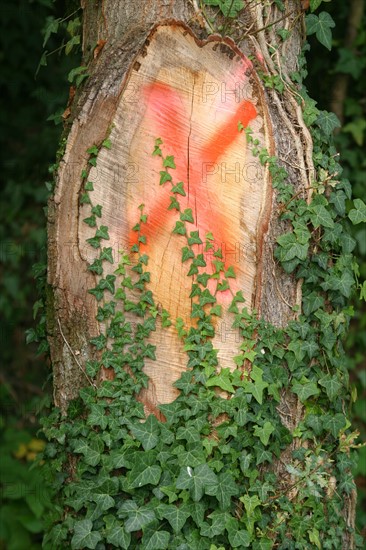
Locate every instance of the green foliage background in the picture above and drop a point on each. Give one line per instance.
(28, 145)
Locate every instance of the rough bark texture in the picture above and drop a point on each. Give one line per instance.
(125, 30)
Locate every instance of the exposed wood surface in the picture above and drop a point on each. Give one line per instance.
(192, 95)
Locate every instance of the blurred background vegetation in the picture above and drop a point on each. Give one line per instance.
(34, 98)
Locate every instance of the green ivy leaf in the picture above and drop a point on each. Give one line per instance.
(137, 517)
(187, 253)
(217, 525)
(222, 380)
(263, 544)
(290, 247)
(102, 232)
(83, 536)
(97, 210)
(97, 416)
(116, 535)
(334, 423)
(328, 122)
(230, 8)
(320, 25)
(223, 490)
(230, 272)
(158, 541)
(187, 215)
(176, 516)
(145, 470)
(194, 238)
(178, 188)
(256, 387)
(358, 213)
(147, 432)
(164, 177)
(305, 389)
(250, 504)
(180, 228)
(240, 538)
(332, 386)
(168, 162)
(264, 432)
(196, 480)
(320, 216)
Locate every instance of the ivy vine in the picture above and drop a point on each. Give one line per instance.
(205, 477)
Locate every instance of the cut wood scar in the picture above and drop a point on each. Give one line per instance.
(192, 95)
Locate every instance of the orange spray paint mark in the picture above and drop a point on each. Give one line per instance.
(167, 114)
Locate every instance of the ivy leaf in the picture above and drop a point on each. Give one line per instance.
(339, 200)
(168, 162)
(358, 213)
(103, 501)
(97, 210)
(327, 122)
(194, 238)
(107, 254)
(312, 302)
(180, 228)
(91, 456)
(97, 416)
(305, 389)
(145, 470)
(262, 455)
(223, 490)
(290, 248)
(158, 541)
(102, 232)
(187, 215)
(196, 480)
(256, 387)
(319, 215)
(118, 537)
(217, 525)
(264, 432)
(84, 537)
(189, 433)
(314, 4)
(222, 380)
(263, 544)
(187, 253)
(315, 423)
(178, 188)
(334, 423)
(51, 27)
(147, 432)
(176, 516)
(230, 8)
(230, 272)
(240, 537)
(137, 517)
(310, 347)
(250, 504)
(321, 27)
(174, 204)
(164, 177)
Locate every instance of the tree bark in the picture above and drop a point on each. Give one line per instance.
(124, 36)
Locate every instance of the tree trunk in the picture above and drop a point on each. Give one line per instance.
(155, 71)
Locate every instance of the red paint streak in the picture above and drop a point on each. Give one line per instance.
(168, 117)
